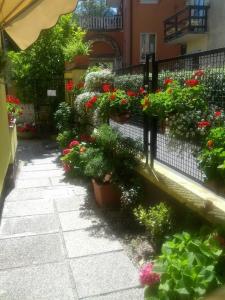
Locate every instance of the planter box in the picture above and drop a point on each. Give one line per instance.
(106, 195)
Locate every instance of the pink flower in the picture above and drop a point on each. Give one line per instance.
(66, 167)
(148, 276)
(66, 151)
(73, 144)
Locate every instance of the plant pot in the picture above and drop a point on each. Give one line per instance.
(121, 118)
(106, 195)
(81, 60)
(26, 135)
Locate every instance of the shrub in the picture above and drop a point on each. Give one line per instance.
(157, 220)
(187, 267)
(64, 138)
(95, 80)
(64, 117)
(129, 82)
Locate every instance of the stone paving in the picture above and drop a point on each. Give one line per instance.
(53, 244)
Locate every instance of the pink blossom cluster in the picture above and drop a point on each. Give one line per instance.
(148, 276)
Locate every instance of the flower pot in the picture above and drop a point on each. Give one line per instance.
(81, 60)
(121, 118)
(106, 195)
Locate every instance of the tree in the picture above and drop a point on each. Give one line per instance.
(41, 66)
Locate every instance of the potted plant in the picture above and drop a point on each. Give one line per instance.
(26, 131)
(13, 108)
(77, 54)
(116, 104)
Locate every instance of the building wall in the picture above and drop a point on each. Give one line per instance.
(216, 24)
(198, 44)
(150, 18)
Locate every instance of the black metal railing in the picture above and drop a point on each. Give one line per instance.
(159, 145)
(192, 19)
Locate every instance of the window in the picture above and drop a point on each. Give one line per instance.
(149, 1)
(148, 44)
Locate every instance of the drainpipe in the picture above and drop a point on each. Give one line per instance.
(131, 32)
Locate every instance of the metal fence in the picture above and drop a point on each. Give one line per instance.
(160, 145)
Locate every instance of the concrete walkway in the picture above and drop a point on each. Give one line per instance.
(53, 245)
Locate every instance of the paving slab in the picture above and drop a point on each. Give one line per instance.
(31, 225)
(131, 294)
(50, 282)
(29, 183)
(73, 220)
(40, 167)
(26, 194)
(25, 251)
(69, 203)
(87, 242)
(45, 160)
(40, 174)
(28, 208)
(104, 273)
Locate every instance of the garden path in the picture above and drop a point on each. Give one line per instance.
(54, 244)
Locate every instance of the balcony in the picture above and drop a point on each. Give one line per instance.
(186, 24)
(103, 23)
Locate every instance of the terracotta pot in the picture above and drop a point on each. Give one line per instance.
(81, 60)
(121, 118)
(106, 195)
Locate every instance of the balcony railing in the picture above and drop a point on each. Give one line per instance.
(92, 23)
(192, 19)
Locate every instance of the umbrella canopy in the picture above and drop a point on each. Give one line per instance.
(23, 20)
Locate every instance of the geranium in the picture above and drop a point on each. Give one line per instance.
(142, 91)
(167, 81)
(106, 87)
(148, 276)
(66, 151)
(217, 113)
(112, 96)
(203, 124)
(73, 143)
(69, 85)
(12, 99)
(191, 82)
(131, 93)
(90, 103)
(66, 167)
(123, 102)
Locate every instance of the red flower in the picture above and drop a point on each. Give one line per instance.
(66, 151)
(167, 81)
(217, 113)
(69, 85)
(123, 102)
(93, 99)
(13, 100)
(199, 73)
(106, 87)
(203, 124)
(142, 91)
(112, 97)
(73, 144)
(191, 82)
(131, 93)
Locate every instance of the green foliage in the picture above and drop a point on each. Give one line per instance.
(65, 137)
(157, 220)
(95, 80)
(64, 117)
(34, 69)
(212, 157)
(188, 267)
(129, 82)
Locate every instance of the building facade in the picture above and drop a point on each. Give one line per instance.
(129, 29)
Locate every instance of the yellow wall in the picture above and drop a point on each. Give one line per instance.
(76, 74)
(197, 44)
(5, 143)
